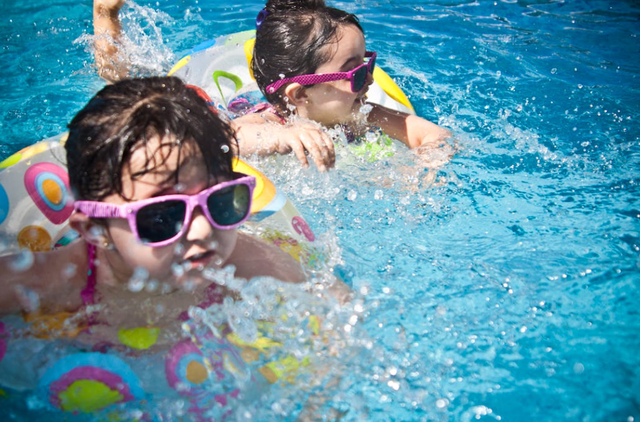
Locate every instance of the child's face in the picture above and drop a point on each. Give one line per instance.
(200, 245)
(331, 103)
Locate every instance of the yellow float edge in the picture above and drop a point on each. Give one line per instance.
(182, 62)
(265, 190)
(389, 86)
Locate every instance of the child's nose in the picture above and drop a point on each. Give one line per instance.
(369, 79)
(199, 227)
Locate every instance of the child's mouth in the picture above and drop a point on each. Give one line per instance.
(200, 259)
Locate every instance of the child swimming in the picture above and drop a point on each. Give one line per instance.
(157, 201)
(310, 62)
(311, 65)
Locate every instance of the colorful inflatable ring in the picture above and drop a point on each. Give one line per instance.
(35, 204)
(87, 382)
(222, 68)
(35, 200)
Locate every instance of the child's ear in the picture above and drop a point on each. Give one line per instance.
(296, 93)
(92, 232)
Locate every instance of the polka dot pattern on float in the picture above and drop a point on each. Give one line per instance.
(88, 382)
(301, 227)
(48, 186)
(34, 238)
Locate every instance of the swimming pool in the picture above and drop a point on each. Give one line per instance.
(502, 287)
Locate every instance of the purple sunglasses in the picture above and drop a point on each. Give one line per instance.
(358, 76)
(162, 220)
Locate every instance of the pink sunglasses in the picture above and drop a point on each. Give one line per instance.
(358, 76)
(162, 220)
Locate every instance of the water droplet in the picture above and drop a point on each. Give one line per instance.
(152, 285)
(22, 261)
(69, 270)
(441, 403)
(179, 249)
(28, 298)
(366, 109)
(138, 279)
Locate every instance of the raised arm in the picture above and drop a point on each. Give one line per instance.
(107, 31)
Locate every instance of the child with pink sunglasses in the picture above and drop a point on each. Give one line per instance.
(157, 202)
(311, 64)
(310, 61)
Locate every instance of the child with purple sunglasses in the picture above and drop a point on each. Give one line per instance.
(311, 64)
(157, 200)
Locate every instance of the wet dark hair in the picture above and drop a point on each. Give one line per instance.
(123, 117)
(289, 41)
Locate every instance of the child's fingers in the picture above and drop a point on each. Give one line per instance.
(299, 150)
(311, 142)
(322, 150)
(329, 149)
(322, 147)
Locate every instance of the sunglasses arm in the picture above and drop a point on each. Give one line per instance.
(95, 209)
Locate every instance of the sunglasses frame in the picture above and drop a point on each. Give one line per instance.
(97, 209)
(317, 78)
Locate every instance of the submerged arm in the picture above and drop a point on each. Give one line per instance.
(42, 280)
(107, 31)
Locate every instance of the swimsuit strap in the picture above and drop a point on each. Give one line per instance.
(351, 137)
(88, 294)
(269, 108)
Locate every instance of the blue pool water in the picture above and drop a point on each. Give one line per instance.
(501, 286)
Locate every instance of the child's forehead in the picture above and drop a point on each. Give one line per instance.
(163, 158)
(348, 40)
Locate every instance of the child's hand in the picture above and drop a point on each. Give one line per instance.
(107, 31)
(307, 139)
(108, 6)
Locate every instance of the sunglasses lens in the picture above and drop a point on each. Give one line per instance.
(230, 205)
(359, 78)
(161, 221)
(372, 64)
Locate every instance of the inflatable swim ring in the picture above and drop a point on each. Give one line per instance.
(222, 68)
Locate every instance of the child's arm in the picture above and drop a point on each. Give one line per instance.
(107, 31)
(253, 257)
(264, 134)
(412, 130)
(42, 280)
